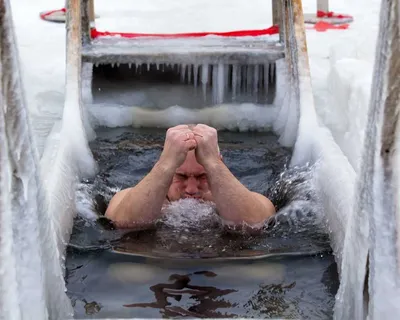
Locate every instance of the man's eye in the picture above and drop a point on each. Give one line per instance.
(203, 177)
(181, 176)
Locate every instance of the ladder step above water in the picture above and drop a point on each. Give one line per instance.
(183, 51)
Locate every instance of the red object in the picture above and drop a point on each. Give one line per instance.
(243, 33)
(330, 14)
(48, 13)
(322, 26)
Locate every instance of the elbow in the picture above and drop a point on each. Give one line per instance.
(115, 208)
(121, 220)
(255, 218)
(111, 214)
(118, 219)
(262, 211)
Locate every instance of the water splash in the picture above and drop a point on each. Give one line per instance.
(296, 200)
(190, 214)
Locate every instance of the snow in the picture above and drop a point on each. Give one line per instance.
(177, 16)
(341, 63)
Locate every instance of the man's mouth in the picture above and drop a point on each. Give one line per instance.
(193, 197)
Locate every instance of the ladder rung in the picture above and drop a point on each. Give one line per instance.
(184, 51)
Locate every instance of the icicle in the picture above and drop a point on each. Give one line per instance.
(195, 74)
(220, 73)
(260, 77)
(189, 73)
(249, 79)
(204, 79)
(266, 78)
(239, 79)
(255, 79)
(118, 64)
(244, 79)
(272, 71)
(183, 73)
(213, 80)
(112, 65)
(148, 66)
(227, 70)
(234, 81)
(130, 65)
(96, 64)
(157, 66)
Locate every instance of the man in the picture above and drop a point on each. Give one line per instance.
(190, 166)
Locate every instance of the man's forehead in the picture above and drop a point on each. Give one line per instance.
(191, 165)
(190, 169)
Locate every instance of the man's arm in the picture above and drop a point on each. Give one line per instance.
(141, 205)
(235, 203)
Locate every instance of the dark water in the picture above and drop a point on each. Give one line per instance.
(190, 266)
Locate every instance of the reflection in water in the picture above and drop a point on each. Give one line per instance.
(279, 288)
(270, 300)
(204, 296)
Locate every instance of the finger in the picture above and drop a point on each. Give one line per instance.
(189, 135)
(191, 144)
(202, 126)
(179, 127)
(198, 131)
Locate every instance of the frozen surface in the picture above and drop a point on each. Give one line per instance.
(242, 117)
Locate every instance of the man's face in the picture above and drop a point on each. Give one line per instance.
(190, 181)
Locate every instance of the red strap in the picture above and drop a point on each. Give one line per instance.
(243, 33)
(322, 26)
(330, 14)
(48, 13)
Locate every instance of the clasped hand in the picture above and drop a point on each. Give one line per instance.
(184, 138)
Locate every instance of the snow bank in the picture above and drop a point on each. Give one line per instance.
(349, 86)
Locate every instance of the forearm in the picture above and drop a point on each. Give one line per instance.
(235, 203)
(141, 205)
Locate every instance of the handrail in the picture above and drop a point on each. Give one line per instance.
(73, 48)
(323, 5)
(277, 19)
(379, 183)
(299, 94)
(371, 254)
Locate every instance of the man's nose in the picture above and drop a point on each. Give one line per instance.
(192, 186)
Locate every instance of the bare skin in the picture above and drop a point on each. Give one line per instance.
(190, 166)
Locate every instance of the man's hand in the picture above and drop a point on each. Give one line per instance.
(207, 150)
(178, 142)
